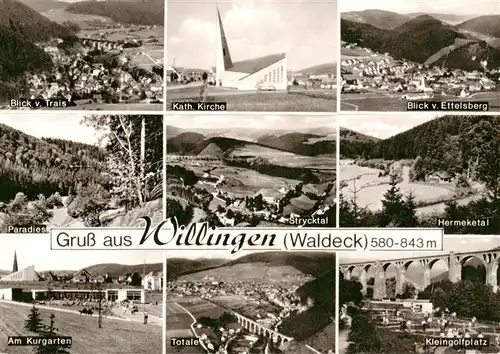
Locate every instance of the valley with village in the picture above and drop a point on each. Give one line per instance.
(443, 173)
(51, 181)
(388, 59)
(270, 302)
(246, 177)
(85, 55)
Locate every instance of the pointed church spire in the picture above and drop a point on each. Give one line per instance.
(224, 61)
(14, 267)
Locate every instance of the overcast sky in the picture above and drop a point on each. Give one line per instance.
(458, 7)
(35, 250)
(303, 29)
(294, 122)
(49, 125)
(383, 126)
(451, 243)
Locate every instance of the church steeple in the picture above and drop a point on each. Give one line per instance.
(223, 57)
(14, 267)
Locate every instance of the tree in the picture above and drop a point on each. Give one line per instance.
(392, 204)
(409, 291)
(350, 290)
(135, 144)
(55, 201)
(33, 322)
(408, 217)
(90, 202)
(364, 336)
(52, 347)
(136, 279)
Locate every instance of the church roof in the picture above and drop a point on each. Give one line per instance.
(251, 66)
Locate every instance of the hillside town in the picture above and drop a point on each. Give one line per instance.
(181, 75)
(96, 71)
(285, 204)
(381, 72)
(265, 304)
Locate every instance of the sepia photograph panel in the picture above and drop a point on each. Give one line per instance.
(251, 171)
(422, 302)
(82, 55)
(75, 170)
(423, 170)
(252, 302)
(243, 55)
(404, 55)
(106, 301)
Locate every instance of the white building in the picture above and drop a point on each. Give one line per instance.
(25, 274)
(269, 71)
(153, 281)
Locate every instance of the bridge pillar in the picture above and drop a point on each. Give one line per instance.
(400, 279)
(379, 288)
(455, 269)
(362, 280)
(347, 274)
(491, 275)
(426, 277)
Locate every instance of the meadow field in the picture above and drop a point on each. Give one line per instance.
(370, 189)
(92, 106)
(293, 101)
(393, 102)
(258, 272)
(115, 336)
(84, 21)
(241, 182)
(283, 158)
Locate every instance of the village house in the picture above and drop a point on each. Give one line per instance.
(82, 276)
(153, 281)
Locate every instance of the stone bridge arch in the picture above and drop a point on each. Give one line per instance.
(454, 261)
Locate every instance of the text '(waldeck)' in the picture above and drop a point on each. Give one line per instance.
(169, 235)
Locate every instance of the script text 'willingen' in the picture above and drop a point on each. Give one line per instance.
(168, 235)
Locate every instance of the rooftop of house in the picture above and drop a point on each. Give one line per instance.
(251, 66)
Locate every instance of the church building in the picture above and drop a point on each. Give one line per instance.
(268, 71)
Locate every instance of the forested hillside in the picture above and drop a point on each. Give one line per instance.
(193, 144)
(41, 178)
(20, 28)
(467, 148)
(415, 40)
(449, 143)
(145, 12)
(45, 166)
(28, 24)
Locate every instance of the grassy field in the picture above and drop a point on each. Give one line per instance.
(113, 107)
(116, 337)
(247, 307)
(371, 102)
(297, 101)
(241, 182)
(283, 158)
(179, 325)
(370, 192)
(60, 15)
(260, 272)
